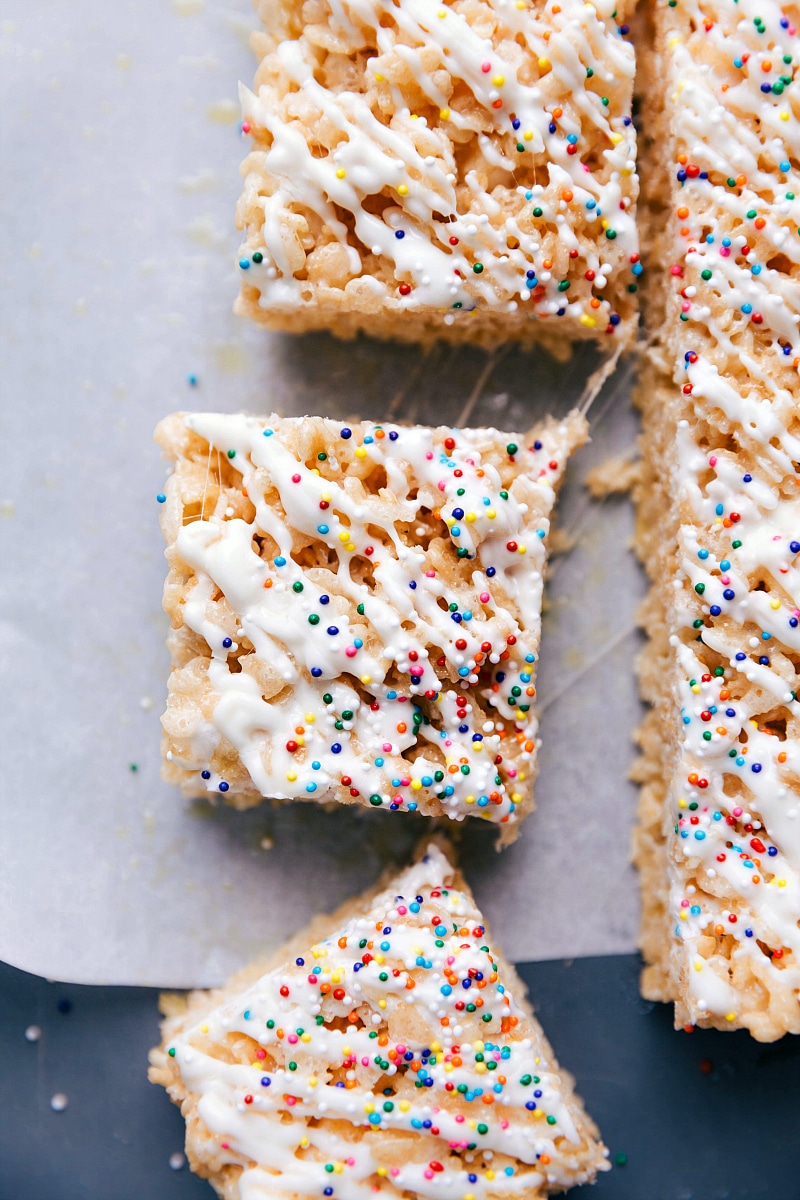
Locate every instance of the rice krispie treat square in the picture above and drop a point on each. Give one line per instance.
(347, 1067)
(356, 610)
(462, 170)
(719, 837)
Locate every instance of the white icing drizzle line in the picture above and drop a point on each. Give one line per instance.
(736, 794)
(525, 92)
(388, 1058)
(411, 693)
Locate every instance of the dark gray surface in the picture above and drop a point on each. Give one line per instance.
(704, 1116)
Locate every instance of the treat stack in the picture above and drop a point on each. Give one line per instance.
(387, 1051)
(719, 840)
(356, 610)
(463, 171)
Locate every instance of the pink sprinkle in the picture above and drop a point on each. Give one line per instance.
(684, 903)
(405, 781)
(448, 742)
(401, 1048)
(429, 455)
(737, 812)
(587, 168)
(504, 1124)
(291, 1101)
(685, 306)
(292, 1038)
(261, 1054)
(512, 773)
(296, 478)
(777, 538)
(460, 1118)
(401, 910)
(485, 597)
(350, 1162)
(725, 251)
(387, 747)
(225, 1145)
(430, 574)
(397, 800)
(394, 1172)
(428, 1174)
(725, 579)
(676, 270)
(712, 460)
(486, 68)
(441, 485)
(365, 1062)
(351, 651)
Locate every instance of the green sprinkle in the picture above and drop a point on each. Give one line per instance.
(171, 1052)
(231, 454)
(699, 588)
(483, 1128)
(736, 544)
(327, 698)
(375, 800)
(360, 609)
(297, 587)
(551, 1120)
(611, 234)
(705, 274)
(487, 1018)
(477, 268)
(620, 1159)
(563, 285)
(520, 147)
(512, 448)
(322, 456)
(537, 212)
(292, 1066)
(313, 619)
(270, 1024)
(751, 213)
(258, 256)
(604, 100)
(525, 1080)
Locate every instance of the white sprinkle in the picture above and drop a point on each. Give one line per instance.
(177, 1161)
(58, 1102)
(33, 1033)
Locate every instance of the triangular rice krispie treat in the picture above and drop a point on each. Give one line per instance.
(356, 610)
(719, 838)
(387, 1051)
(464, 170)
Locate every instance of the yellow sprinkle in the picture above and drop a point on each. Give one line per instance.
(315, 470)
(291, 776)
(303, 1143)
(381, 1004)
(415, 116)
(369, 1107)
(448, 1068)
(341, 173)
(436, 1047)
(683, 915)
(698, 966)
(491, 514)
(528, 135)
(382, 1171)
(415, 785)
(324, 495)
(470, 518)
(403, 189)
(784, 116)
(350, 546)
(442, 13)
(521, 550)
(682, 802)
(674, 41)
(313, 1081)
(344, 536)
(404, 1106)
(301, 741)
(544, 63)
(310, 718)
(378, 78)
(616, 138)
(366, 679)
(516, 797)
(520, 4)
(588, 321)
(361, 452)
(730, 1016)
(781, 883)
(470, 1195)
(498, 80)
(478, 1047)
(480, 1068)
(695, 688)
(470, 800)
(774, 603)
(490, 1174)
(337, 1168)
(450, 521)
(305, 1037)
(379, 959)
(445, 114)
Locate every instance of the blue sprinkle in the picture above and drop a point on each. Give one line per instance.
(399, 234)
(223, 787)
(205, 774)
(244, 263)
(161, 497)
(699, 835)
(345, 433)
(336, 748)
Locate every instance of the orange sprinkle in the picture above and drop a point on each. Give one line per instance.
(402, 727)
(557, 113)
(567, 195)
(267, 583)
(760, 223)
(683, 159)
(547, 264)
(379, 433)
(766, 65)
(683, 212)
(685, 231)
(342, 943)
(782, 756)
(741, 180)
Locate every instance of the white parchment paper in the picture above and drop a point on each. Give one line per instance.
(120, 145)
